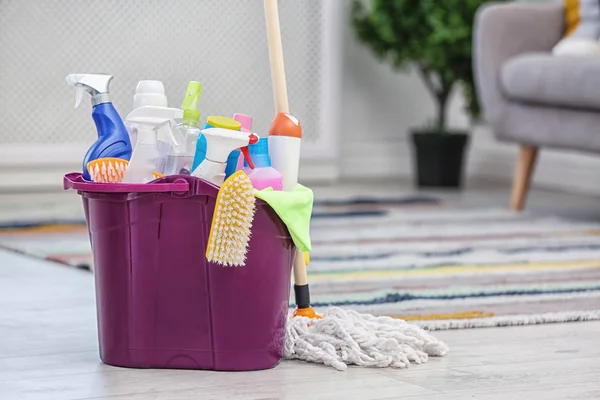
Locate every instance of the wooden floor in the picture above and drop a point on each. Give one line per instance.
(48, 350)
(48, 341)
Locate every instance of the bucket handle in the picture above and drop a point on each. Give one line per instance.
(195, 186)
(178, 185)
(76, 181)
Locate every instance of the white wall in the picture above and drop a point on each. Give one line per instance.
(380, 107)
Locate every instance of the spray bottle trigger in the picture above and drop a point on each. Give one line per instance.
(252, 139)
(168, 132)
(79, 89)
(246, 154)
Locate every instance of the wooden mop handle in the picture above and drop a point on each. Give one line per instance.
(276, 57)
(282, 106)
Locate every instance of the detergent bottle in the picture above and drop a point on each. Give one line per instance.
(220, 143)
(143, 160)
(113, 139)
(262, 174)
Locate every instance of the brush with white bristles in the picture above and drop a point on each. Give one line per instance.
(110, 170)
(107, 170)
(232, 221)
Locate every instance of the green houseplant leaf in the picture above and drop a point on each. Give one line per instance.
(435, 36)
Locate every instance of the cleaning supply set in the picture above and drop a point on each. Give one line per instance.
(162, 245)
(187, 223)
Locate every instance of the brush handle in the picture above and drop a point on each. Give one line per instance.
(276, 57)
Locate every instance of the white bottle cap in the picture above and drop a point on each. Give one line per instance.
(149, 93)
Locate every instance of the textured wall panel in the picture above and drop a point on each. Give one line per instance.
(221, 43)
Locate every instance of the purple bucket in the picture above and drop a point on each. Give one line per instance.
(160, 303)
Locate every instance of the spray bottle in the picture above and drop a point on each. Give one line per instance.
(181, 157)
(262, 174)
(113, 139)
(212, 121)
(143, 160)
(147, 93)
(220, 143)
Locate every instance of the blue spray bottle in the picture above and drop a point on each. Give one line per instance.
(113, 139)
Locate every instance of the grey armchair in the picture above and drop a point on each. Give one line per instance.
(529, 96)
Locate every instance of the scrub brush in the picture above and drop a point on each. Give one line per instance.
(232, 220)
(110, 170)
(107, 170)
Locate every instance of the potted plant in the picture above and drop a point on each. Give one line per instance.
(433, 36)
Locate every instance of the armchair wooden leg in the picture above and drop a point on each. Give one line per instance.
(525, 167)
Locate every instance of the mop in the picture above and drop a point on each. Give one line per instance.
(340, 337)
(344, 337)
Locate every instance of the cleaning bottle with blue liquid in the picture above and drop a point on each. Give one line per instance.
(262, 174)
(113, 139)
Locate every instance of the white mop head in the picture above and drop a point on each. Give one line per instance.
(345, 337)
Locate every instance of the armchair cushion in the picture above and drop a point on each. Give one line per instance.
(540, 78)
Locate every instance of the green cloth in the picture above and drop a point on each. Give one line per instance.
(294, 209)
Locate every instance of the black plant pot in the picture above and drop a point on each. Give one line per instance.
(439, 158)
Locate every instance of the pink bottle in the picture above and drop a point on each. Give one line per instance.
(263, 175)
(246, 126)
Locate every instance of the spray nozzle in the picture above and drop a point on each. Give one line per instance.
(151, 119)
(95, 84)
(168, 133)
(253, 138)
(190, 103)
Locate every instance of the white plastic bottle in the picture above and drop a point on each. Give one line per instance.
(219, 144)
(285, 139)
(147, 93)
(143, 160)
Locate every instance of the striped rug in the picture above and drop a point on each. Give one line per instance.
(65, 239)
(414, 259)
(447, 268)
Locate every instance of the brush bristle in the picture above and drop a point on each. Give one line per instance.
(107, 170)
(232, 221)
